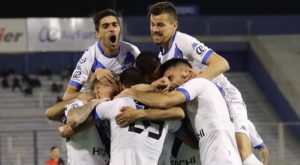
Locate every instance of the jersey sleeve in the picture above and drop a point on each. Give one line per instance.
(75, 104)
(135, 51)
(255, 138)
(192, 88)
(110, 109)
(174, 126)
(194, 49)
(82, 70)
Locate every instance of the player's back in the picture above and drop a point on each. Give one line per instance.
(138, 144)
(85, 147)
(208, 109)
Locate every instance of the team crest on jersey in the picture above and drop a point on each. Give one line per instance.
(200, 49)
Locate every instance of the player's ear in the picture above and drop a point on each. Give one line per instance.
(175, 25)
(186, 72)
(97, 35)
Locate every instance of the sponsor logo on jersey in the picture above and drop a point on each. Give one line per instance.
(200, 49)
(77, 74)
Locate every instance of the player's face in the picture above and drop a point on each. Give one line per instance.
(55, 153)
(176, 76)
(105, 91)
(109, 33)
(162, 28)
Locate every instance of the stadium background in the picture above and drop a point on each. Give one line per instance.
(260, 41)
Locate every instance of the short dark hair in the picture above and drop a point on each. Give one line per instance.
(132, 76)
(101, 14)
(173, 63)
(147, 62)
(163, 7)
(52, 148)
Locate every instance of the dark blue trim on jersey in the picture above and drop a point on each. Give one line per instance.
(185, 92)
(102, 51)
(95, 115)
(221, 90)
(97, 64)
(75, 84)
(258, 147)
(103, 137)
(161, 48)
(179, 130)
(206, 55)
(177, 52)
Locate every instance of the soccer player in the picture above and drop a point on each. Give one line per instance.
(206, 109)
(86, 143)
(175, 44)
(174, 150)
(105, 55)
(141, 142)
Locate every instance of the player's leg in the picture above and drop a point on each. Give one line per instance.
(239, 114)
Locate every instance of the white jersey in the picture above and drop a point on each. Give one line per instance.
(94, 58)
(176, 152)
(85, 147)
(138, 144)
(255, 138)
(209, 116)
(196, 53)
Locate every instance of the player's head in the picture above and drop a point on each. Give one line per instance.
(163, 22)
(108, 30)
(176, 70)
(101, 90)
(131, 76)
(54, 152)
(149, 64)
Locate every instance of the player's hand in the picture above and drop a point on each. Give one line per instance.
(105, 76)
(126, 116)
(264, 155)
(162, 84)
(143, 87)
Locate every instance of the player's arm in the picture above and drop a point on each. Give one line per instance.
(129, 115)
(71, 92)
(67, 131)
(200, 53)
(216, 65)
(56, 111)
(155, 99)
(80, 75)
(78, 115)
(264, 155)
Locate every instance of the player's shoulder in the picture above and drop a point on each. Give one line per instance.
(185, 37)
(128, 46)
(200, 80)
(120, 101)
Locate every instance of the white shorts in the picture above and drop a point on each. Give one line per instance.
(219, 147)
